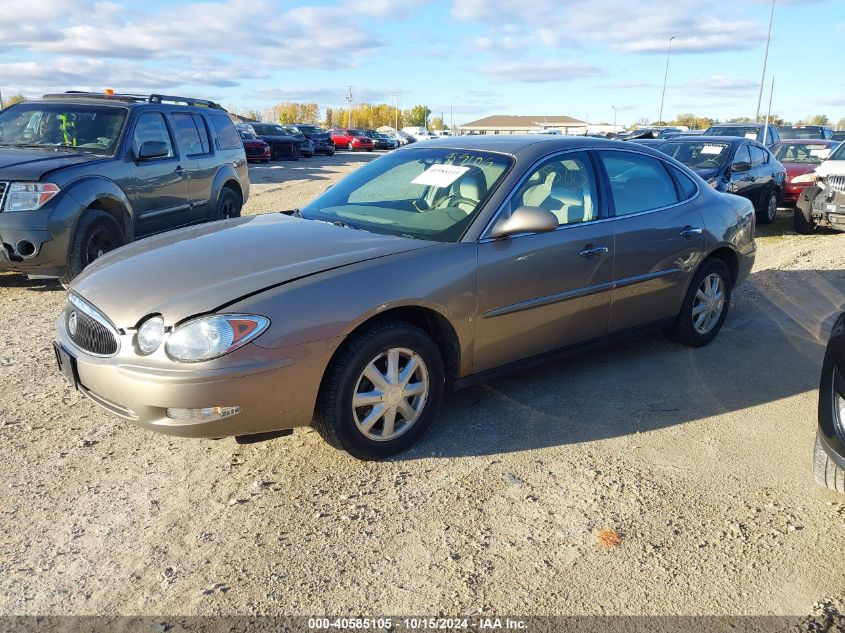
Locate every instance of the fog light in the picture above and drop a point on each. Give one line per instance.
(207, 414)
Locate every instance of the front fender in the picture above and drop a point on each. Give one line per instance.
(96, 189)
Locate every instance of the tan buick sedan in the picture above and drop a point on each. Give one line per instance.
(429, 268)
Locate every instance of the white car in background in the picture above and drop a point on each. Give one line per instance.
(441, 133)
(419, 133)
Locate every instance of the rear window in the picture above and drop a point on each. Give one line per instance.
(189, 135)
(224, 130)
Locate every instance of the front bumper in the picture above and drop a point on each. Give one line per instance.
(275, 388)
(792, 192)
(829, 210)
(36, 242)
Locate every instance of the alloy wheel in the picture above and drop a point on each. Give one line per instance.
(772, 209)
(709, 303)
(390, 394)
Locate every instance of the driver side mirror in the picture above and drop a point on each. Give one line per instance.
(740, 167)
(153, 149)
(525, 220)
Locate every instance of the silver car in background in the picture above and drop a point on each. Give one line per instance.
(438, 265)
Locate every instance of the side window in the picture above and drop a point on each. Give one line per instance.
(685, 183)
(564, 185)
(151, 127)
(742, 155)
(189, 137)
(758, 156)
(203, 132)
(224, 130)
(638, 182)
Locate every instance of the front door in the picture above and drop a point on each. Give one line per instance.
(659, 238)
(540, 292)
(742, 183)
(159, 187)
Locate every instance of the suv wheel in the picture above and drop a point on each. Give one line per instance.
(804, 223)
(381, 392)
(768, 213)
(705, 306)
(96, 234)
(228, 204)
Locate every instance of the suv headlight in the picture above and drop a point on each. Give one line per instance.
(213, 336)
(29, 196)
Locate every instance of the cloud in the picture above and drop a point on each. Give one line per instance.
(723, 86)
(539, 71)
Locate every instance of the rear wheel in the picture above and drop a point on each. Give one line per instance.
(96, 234)
(228, 204)
(705, 305)
(804, 223)
(825, 470)
(768, 212)
(381, 391)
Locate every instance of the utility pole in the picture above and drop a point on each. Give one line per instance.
(349, 99)
(614, 119)
(765, 61)
(665, 77)
(769, 112)
(451, 119)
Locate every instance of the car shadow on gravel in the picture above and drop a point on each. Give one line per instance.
(771, 347)
(314, 168)
(17, 280)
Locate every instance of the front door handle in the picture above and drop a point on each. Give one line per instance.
(689, 231)
(591, 251)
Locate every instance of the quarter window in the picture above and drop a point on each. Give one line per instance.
(224, 129)
(151, 127)
(758, 156)
(564, 185)
(685, 183)
(638, 182)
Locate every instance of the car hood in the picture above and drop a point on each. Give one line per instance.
(278, 137)
(23, 163)
(797, 169)
(199, 269)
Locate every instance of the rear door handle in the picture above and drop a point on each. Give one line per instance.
(591, 251)
(689, 231)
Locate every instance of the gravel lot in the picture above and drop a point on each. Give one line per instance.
(700, 459)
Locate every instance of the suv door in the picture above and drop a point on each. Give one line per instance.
(658, 237)
(539, 292)
(199, 162)
(158, 187)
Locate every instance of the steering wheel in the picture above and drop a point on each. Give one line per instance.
(453, 200)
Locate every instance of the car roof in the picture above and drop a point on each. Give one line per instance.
(758, 125)
(807, 141)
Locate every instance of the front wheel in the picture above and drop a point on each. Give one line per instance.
(705, 305)
(96, 234)
(768, 213)
(381, 391)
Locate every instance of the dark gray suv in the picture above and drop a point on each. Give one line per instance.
(84, 173)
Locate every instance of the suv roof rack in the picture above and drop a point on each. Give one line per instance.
(133, 98)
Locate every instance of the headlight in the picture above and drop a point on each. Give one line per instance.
(804, 178)
(29, 196)
(213, 336)
(150, 334)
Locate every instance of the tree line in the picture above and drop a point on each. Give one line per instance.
(695, 122)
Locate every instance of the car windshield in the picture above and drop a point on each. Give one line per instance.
(356, 133)
(424, 194)
(839, 152)
(698, 154)
(734, 130)
(94, 129)
(247, 136)
(270, 130)
(811, 153)
(801, 132)
(309, 129)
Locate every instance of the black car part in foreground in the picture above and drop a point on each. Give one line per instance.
(829, 452)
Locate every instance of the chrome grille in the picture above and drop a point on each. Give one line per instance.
(837, 183)
(3, 187)
(89, 330)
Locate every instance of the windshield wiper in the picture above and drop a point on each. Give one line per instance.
(294, 213)
(346, 225)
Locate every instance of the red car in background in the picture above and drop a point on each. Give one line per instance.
(351, 139)
(256, 150)
(800, 157)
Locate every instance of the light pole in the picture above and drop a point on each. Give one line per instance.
(614, 119)
(665, 77)
(765, 61)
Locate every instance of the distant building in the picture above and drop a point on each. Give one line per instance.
(513, 124)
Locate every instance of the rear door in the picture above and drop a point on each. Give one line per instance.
(158, 188)
(658, 236)
(539, 292)
(199, 161)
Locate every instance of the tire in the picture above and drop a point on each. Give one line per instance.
(684, 330)
(804, 223)
(335, 418)
(96, 234)
(229, 204)
(825, 470)
(769, 211)
(331, 153)
(350, 147)
(294, 153)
